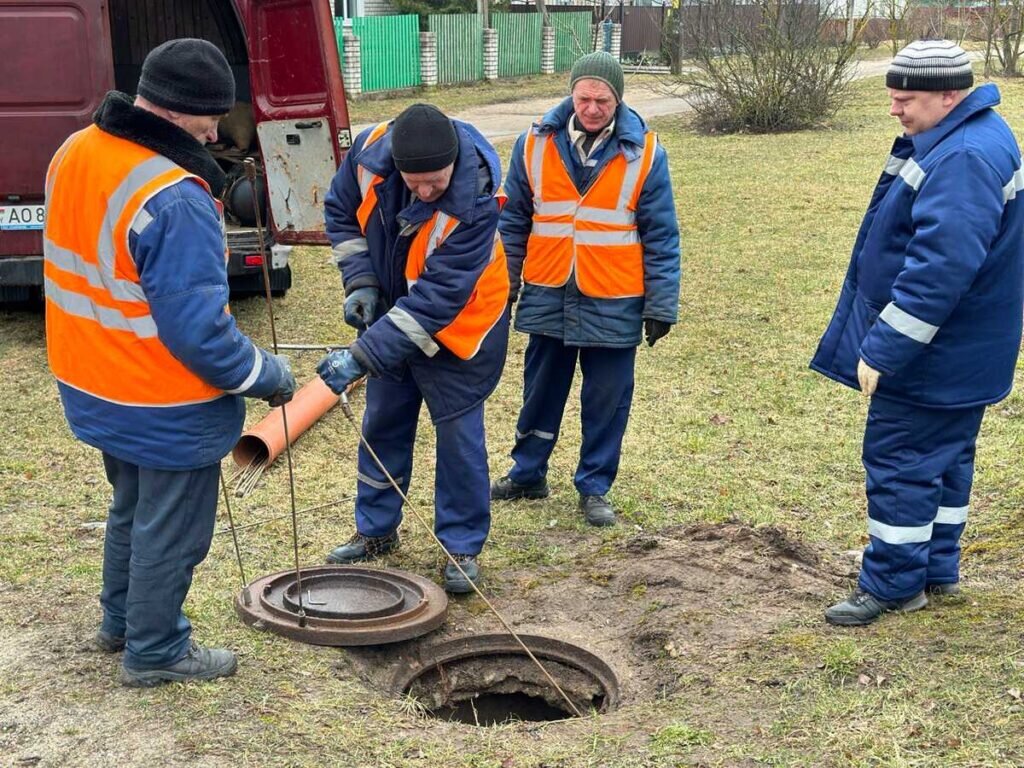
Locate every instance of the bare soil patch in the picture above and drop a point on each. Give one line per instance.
(656, 607)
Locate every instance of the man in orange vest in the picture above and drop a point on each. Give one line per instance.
(150, 365)
(590, 231)
(412, 215)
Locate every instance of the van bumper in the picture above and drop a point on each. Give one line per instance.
(21, 271)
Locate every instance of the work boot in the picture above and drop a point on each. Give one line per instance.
(862, 608)
(108, 643)
(597, 510)
(943, 590)
(507, 489)
(454, 581)
(198, 664)
(361, 548)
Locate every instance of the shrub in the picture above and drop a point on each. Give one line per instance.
(765, 65)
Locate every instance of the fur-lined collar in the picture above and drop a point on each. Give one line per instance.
(119, 117)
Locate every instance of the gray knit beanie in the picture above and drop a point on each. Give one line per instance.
(599, 65)
(930, 65)
(189, 76)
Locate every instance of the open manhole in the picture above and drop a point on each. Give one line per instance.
(489, 679)
(344, 605)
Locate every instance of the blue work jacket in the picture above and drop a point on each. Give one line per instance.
(450, 385)
(565, 313)
(934, 294)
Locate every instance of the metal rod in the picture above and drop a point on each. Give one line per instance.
(250, 174)
(258, 523)
(246, 597)
(347, 410)
(312, 347)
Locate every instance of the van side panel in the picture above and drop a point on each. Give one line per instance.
(57, 68)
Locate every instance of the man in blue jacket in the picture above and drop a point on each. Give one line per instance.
(412, 215)
(929, 323)
(150, 365)
(591, 234)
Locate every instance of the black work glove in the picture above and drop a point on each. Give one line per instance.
(655, 329)
(285, 384)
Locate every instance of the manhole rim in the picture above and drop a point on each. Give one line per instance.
(544, 648)
(422, 617)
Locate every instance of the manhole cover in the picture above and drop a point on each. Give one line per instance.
(346, 595)
(488, 680)
(345, 605)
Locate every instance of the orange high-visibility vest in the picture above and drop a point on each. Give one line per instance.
(100, 336)
(464, 335)
(593, 234)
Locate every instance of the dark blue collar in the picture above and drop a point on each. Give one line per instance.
(463, 194)
(630, 129)
(981, 98)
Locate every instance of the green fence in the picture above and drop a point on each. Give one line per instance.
(460, 46)
(573, 38)
(389, 51)
(518, 43)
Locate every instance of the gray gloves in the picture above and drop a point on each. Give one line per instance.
(361, 306)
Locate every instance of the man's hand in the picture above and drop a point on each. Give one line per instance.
(868, 378)
(655, 329)
(361, 306)
(339, 369)
(285, 385)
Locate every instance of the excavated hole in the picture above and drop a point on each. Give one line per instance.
(488, 679)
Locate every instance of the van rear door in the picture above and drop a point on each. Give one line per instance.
(57, 68)
(299, 104)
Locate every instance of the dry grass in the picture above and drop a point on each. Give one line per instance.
(727, 423)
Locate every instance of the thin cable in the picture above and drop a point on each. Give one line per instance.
(269, 520)
(246, 597)
(250, 174)
(422, 521)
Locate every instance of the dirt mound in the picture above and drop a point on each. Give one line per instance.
(657, 607)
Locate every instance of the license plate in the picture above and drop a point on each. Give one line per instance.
(21, 216)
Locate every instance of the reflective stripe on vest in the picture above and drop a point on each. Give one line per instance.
(101, 337)
(593, 234)
(464, 335)
(368, 180)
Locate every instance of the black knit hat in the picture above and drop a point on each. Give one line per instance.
(423, 140)
(930, 65)
(188, 76)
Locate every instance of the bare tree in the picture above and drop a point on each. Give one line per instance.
(766, 65)
(1004, 28)
(898, 13)
(542, 9)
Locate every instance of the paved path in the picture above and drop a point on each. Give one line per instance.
(506, 120)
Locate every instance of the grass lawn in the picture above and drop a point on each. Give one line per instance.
(739, 463)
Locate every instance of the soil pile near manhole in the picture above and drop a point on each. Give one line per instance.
(655, 606)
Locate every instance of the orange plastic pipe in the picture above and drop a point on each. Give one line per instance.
(310, 403)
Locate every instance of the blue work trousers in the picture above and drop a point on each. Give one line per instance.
(606, 397)
(159, 528)
(920, 466)
(462, 504)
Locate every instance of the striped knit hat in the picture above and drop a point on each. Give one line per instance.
(930, 65)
